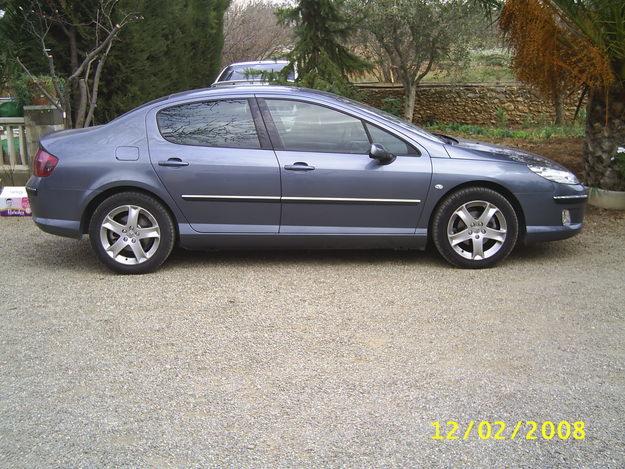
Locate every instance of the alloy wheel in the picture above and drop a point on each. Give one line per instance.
(477, 230)
(130, 234)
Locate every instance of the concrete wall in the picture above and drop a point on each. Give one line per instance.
(471, 104)
(39, 121)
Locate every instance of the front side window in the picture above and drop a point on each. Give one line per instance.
(225, 124)
(313, 128)
(391, 143)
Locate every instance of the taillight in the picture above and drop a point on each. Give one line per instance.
(44, 163)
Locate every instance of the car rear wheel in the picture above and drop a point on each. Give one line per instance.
(475, 228)
(132, 233)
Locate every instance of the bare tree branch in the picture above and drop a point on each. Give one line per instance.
(95, 52)
(53, 100)
(96, 84)
(82, 107)
(97, 34)
(252, 32)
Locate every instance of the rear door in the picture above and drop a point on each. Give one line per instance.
(330, 185)
(214, 158)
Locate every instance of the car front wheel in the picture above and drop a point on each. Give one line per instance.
(475, 228)
(132, 233)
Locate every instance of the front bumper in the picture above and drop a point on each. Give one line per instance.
(538, 234)
(543, 212)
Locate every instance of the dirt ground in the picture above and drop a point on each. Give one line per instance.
(309, 359)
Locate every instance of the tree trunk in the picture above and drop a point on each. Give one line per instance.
(387, 74)
(605, 133)
(73, 55)
(410, 94)
(558, 104)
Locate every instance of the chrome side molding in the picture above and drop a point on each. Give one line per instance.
(570, 197)
(269, 198)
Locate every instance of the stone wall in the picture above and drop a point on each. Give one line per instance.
(471, 104)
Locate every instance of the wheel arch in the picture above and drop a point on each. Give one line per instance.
(105, 194)
(516, 205)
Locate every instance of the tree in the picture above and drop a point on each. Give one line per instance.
(363, 43)
(252, 32)
(177, 46)
(536, 61)
(108, 56)
(586, 45)
(27, 48)
(319, 55)
(416, 35)
(74, 39)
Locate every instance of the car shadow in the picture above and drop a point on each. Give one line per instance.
(302, 256)
(529, 252)
(76, 255)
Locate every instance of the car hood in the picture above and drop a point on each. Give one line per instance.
(474, 150)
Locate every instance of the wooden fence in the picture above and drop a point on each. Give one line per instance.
(13, 151)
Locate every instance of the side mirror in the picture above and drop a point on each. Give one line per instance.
(381, 154)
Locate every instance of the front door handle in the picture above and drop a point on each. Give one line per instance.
(299, 166)
(173, 162)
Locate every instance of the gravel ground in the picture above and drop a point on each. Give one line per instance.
(308, 358)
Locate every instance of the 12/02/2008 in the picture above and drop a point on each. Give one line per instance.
(499, 430)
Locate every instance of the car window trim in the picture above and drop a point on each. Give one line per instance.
(364, 124)
(275, 136)
(408, 145)
(270, 125)
(259, 123)
(228, 98)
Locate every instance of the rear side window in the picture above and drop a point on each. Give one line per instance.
(225, 124)
(310, 127)
(391, 143)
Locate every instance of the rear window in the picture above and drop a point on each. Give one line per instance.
(252, 72)
(225, 124)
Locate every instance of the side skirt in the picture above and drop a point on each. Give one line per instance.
(192, 240)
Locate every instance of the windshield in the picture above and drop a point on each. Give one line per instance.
(253, 72)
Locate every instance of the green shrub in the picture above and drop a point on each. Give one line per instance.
(620, 162)
(393, 106)
(528, 132)
(502, 117)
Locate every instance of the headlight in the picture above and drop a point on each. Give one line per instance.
(555, 175)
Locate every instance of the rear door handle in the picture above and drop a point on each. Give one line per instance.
(299, 166)
(173, 162)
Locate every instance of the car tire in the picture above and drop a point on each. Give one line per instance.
(132, 233)
(475, 228)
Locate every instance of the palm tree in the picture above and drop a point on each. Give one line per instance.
(588, 49)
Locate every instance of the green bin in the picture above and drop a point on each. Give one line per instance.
(11, 109)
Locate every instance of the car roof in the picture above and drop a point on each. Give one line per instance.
(248, 88)
(259, 62)
(238, 89)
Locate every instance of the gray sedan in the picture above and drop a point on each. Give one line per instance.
(282, 167)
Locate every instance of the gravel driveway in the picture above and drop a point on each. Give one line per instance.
(308, 358)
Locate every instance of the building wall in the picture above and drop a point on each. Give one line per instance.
(471, 104)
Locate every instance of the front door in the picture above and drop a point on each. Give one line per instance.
(330, 185)
(217, 167)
